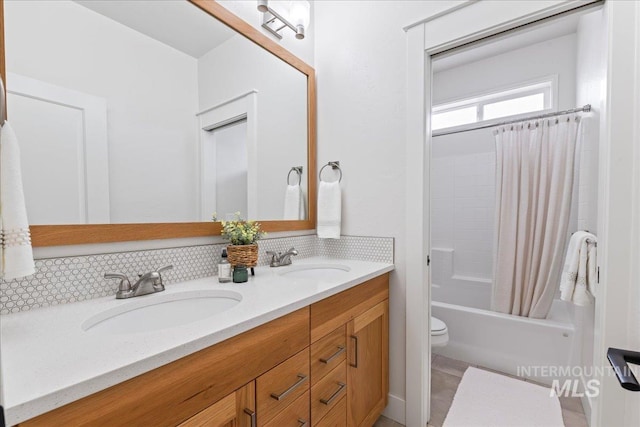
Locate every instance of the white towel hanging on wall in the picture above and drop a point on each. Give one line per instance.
(293, 203)
(329, 210)
(16, 256)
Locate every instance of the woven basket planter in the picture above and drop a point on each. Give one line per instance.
(246, 255)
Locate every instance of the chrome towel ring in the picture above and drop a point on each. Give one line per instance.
(298, 170)
(334, 165)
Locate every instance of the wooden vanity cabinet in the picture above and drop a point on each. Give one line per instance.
(325, 365)
(175, 392)
(362, 313)
(368, 365)
(236, 410)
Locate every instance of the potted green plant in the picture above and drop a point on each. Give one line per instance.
(243, 237)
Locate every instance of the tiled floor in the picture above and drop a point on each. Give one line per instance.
(386, 422)
(446, 375)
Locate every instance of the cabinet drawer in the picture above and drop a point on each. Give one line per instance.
(295, 415)
(327, 353)
(237, 410)
(282, 385)
(219, 414)
(328, 392)
(337, 416)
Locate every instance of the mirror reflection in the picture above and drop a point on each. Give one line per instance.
(139, 112)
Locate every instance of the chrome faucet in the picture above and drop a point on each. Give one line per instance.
(147, 283)
(279, 259)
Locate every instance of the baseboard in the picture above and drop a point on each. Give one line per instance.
(586, 401)
(395, 410)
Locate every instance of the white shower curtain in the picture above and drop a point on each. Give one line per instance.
(534, 183)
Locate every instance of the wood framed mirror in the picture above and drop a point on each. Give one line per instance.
(264, 204)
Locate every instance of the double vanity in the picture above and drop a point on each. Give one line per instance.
(300, 345)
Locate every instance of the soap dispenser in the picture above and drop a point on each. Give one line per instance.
(224, 269)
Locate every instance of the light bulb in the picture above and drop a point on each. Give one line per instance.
(299, 13)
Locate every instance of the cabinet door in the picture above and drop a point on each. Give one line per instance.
(368, 372)
(235, 410)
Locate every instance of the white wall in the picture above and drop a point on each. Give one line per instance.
(361, 66)
(555, 56)
(281, 112)
(151, 93)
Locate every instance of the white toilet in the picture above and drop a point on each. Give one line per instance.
(439, 333)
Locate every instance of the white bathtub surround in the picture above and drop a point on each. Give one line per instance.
(329, 210)
(16, 255)
(533, 207)
(485, 399)
(79, 363)
(511, 344)
(293, 203)
(579, 276)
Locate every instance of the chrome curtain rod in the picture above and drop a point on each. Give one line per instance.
(584, 109)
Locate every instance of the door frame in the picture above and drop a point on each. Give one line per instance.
(93, 176)
(243, 106)
(473, 21)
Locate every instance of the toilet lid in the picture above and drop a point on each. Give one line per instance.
(437, 325)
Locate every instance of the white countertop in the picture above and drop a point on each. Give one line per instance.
(49, 361)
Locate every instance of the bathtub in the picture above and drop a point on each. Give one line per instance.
(530, 348)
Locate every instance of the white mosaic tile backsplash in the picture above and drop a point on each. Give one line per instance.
(71, 279)
(377, 249)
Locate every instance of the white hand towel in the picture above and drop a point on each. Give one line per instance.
(329, 210)
(16, 259)
(579, 276)
(293, 202)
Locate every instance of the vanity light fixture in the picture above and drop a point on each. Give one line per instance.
(278, 15)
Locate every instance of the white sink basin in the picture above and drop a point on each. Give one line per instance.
(317, 271)
(160, 311)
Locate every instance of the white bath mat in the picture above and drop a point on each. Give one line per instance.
(485, 399)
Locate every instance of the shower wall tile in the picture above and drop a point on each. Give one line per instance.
(462, 208)
(71, 279)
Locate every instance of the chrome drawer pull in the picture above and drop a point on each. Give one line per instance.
(303, 423)
(334, 395)
(252, 414)
(334, 355)
(301, 378)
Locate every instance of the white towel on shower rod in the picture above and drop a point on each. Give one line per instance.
(16, 255)
(579, 275)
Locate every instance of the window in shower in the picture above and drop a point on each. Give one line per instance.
(485, 108)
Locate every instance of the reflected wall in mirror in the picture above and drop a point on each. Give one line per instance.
(150, 112)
